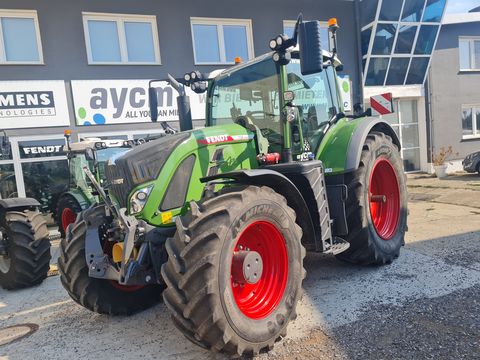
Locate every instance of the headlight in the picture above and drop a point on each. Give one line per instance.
(139, 199)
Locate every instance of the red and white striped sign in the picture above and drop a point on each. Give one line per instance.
(381, 104)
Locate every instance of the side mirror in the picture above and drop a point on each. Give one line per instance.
(246, 94)
(153, 103)
(309, 39)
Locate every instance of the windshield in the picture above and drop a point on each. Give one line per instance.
(249, 96)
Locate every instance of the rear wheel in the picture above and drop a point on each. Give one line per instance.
(99, 295)
(25, 249)
(376, 204)
(234, 271)
(67, 211)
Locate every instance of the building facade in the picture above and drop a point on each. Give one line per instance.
(453, 88)
(85, 65)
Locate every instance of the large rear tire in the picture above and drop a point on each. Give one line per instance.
(67, 210)
(98, 295)
(209, 260)
(27, 260)
(376, 204)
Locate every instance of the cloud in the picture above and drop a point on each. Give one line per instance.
(461, 6)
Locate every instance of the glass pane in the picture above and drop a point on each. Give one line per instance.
(410, 136)
(41, 148)
(315, 101)
(390, 10)
(384, 39)
(8, 185)
(366, 34)
(476, 54)
(206, 43)
(405, 39)
(426, 39)
(412, 10)
(325, 40)
(376, 71)
(235, 37)
(408, 109)
(20, 39)
(465, 54)
(398, 71)
(104, 43)
(392, 119)
(288, 30)
(434, 10)
(418, 69)
(368, 10)
(467, 122)
(140, 45)
(5, 148)
(411, 159)
(45, 181)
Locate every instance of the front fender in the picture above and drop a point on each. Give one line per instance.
(341, 148)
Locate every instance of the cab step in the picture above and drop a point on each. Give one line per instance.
(339, 245)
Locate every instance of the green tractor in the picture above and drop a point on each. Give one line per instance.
(24, 238)
(221, 217)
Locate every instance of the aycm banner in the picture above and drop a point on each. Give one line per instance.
(108, 102)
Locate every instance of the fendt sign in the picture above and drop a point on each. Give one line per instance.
(33, 104)
(126, 101)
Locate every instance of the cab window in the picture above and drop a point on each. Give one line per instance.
(249, 97)
(316, 98)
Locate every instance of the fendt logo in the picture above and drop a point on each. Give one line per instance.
(28, 103)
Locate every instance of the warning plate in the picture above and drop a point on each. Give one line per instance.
(381, 104)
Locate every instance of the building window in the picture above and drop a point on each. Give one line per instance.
(470, 122)
(469, 53)
(117, 39)
(220, 41)
(20, 41)
(289, 26)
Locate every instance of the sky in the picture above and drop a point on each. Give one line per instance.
(461, 6)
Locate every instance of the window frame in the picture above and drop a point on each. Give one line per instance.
(323, 24)
(220, 22)
(120, 20)
(471, 47)
(476, 131)
(23, 14)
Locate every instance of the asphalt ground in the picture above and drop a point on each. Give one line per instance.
(426, 305)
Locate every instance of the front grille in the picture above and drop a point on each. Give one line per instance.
(140, 165)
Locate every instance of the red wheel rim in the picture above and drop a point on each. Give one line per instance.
(257, 301)
(68, 217)
(384, 198)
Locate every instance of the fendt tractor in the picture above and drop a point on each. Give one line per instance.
(221, 217)
(24, 238)
(94, 153)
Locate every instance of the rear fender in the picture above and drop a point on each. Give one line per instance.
(80, 197)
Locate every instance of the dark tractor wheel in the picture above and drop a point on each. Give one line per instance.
(234, 271)
(376, 204)
(67, 210)
(98, 295)
(24, 249)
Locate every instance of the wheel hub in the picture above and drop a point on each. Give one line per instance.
(247, 267)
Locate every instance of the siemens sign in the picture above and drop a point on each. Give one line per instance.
(126, 101)
(33, 104)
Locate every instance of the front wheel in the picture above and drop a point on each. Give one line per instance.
(234, 271)
(376, 204)
(99, 295)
